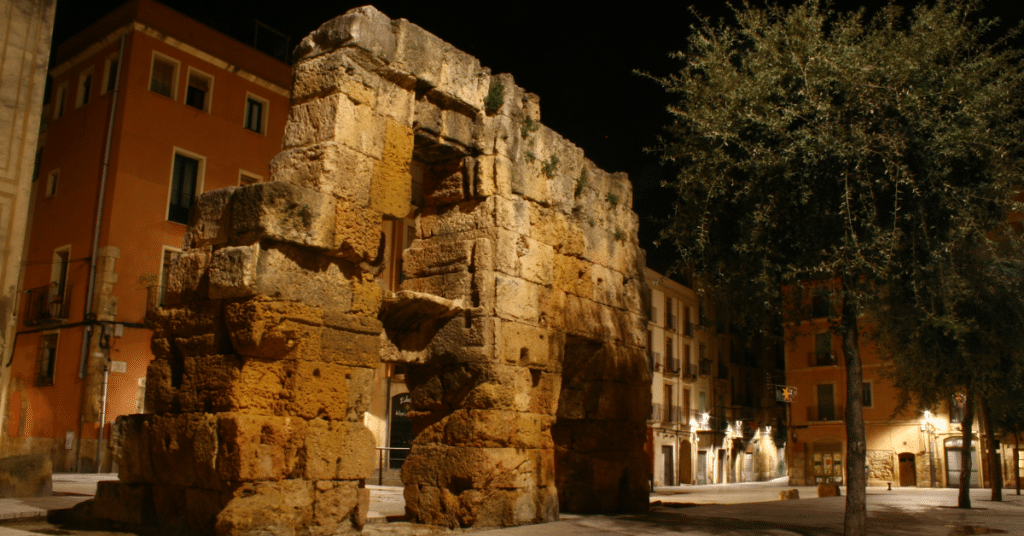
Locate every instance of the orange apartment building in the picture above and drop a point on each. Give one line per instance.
(919, 447)
(150, 108)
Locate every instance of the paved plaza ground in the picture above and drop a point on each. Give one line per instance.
(730, 509)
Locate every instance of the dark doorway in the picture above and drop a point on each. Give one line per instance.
(666, 455)
(400, 436)
(685, 463)
(908, 470)
(702, 467)
(720, 470)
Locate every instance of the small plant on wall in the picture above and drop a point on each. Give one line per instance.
(527, 126)
(495, 97)
(550, 167)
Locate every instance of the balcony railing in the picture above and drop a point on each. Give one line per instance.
(825, 413)
(705, 367)
(47, 305)
(656, 364)
(689, 371)
(671, 365)
(677, 414)
(820, 359)
(656, 412)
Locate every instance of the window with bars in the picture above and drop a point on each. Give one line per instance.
(47, 359)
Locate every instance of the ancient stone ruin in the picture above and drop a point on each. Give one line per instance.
(521, 316)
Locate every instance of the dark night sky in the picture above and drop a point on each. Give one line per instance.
(580, 60)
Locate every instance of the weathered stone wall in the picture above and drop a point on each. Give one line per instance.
(521, 315)
(881, 466)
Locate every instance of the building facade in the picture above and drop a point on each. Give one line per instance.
(918, 447)
(714, 417)
(148, 109)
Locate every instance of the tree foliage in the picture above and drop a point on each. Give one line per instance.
(814, 143)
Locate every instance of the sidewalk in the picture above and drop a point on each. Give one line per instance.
(69, 489)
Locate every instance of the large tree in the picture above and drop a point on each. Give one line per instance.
(962, 335)
(813, 143)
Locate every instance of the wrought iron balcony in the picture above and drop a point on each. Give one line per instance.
(820, 359)
(47, 305)
(826, 413)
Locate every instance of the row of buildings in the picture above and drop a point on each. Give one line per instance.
(148, 108)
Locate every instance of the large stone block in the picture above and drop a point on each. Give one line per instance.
(187, 278)
(365, 28)
(120, 502)
(391, 185)
(329, 168)
(267, 508)
(305, 389)
(339, 119)
(207, 383)
(357, 234)
(133, 459)
(233, 272)
(210, 219)
(283, 212)
(183, 449)
(291, 273)
(335, 505)
(524, 345)
(28, 475)
(339, 451)
(438, 258)
(516, 299)
(255, 447)
(275, 329)
(335, 72)
(348, 348)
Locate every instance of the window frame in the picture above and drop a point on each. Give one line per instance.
(208, 98)
(868, 388)
(264, 113)
(256, 179)
(175, 73)
(52, 182)
(51, 376)
(84, 91)
(109, 70)
(200, 175)
(61, 100)
(817, 400)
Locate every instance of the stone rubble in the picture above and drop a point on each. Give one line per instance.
(521, 318)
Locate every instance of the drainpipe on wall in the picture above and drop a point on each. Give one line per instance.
(93, 260)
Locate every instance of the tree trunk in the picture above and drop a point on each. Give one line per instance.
(964, 500)
(995, 469)
(856, 518)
